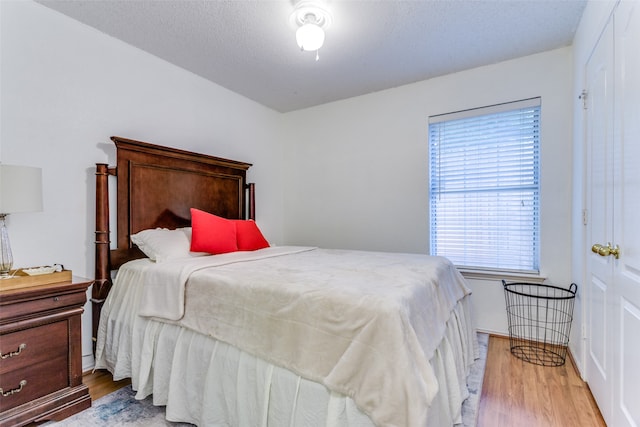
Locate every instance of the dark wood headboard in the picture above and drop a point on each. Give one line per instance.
(156, 187)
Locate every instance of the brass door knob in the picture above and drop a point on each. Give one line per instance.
(606, 250)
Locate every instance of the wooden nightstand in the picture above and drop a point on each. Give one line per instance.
(40, 343)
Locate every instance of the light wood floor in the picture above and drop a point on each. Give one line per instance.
(518, 393)
(515, 393)
(101, 383)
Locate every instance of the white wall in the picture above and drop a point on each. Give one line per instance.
(66, 88)
(357, 177)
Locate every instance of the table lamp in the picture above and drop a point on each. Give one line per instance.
(20, 191)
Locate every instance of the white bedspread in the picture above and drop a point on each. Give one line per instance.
(364, 324)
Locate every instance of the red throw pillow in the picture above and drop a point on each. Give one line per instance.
(211, 233)
(249, 236)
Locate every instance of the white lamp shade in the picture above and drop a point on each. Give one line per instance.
(310, 37)
(20, 189)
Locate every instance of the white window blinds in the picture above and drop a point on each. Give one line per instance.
(485, 186)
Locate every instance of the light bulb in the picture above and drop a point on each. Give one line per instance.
(310, 37)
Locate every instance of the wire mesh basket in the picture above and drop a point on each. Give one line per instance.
(539, 319)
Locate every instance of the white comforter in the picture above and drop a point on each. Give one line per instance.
(364, 324)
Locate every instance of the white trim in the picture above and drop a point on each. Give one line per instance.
(481, 111)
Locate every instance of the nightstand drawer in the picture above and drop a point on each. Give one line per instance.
(44, 303)
(29, 383)
(33, 346)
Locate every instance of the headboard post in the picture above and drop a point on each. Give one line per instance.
(102, 282)
(252, 201)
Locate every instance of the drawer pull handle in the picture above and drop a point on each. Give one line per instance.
(15, 390)
(14, 353)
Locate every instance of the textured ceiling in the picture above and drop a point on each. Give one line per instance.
(249, 46)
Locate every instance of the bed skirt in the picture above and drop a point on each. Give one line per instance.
(207, 382)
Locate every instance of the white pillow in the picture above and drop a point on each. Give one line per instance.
(162, 244)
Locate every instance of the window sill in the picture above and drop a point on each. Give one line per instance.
(508, 276)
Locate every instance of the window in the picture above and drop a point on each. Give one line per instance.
(484, 186)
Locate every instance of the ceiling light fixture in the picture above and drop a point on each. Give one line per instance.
(311, 18)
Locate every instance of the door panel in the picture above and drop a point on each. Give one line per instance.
(626, 404)
(598, 326)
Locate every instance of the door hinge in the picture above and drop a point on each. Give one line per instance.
(585, 217)
(583, 96)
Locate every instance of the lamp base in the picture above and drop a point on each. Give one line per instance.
(6, 258)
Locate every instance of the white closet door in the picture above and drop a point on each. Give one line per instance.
(599, 73)
(612, 133)
(626, 218)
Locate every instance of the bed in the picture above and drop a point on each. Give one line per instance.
(266, 335)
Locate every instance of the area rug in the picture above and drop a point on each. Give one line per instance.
(120, 408)
(474, 383)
